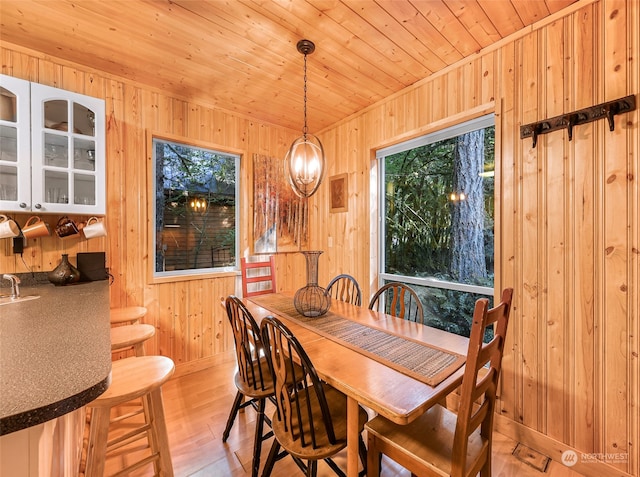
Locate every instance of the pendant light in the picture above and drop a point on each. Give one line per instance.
(305, 163)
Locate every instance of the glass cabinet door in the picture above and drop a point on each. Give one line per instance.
(15, 144)
(68, 151)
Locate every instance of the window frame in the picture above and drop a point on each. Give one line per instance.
(196, 273)
(446, 132)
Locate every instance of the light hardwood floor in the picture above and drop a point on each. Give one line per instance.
(197, 406)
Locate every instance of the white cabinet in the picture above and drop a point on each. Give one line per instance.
(15, 143)
(61, 169)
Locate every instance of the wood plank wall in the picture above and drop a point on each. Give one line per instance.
(567, 228)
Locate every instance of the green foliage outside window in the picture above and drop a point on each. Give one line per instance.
(439, 220)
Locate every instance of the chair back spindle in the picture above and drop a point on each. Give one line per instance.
(345, 288)
(399, 300)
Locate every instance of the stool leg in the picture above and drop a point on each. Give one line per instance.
(159, 438)
(98, 435)
(138, 349)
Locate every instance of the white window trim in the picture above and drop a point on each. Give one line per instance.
(196, 273)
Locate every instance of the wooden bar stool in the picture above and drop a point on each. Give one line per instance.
(132, 378)
(131, 336)
(127, 314)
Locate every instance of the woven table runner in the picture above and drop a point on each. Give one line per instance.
(426, 363)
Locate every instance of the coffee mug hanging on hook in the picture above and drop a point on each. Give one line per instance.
(66, 227)
(94, 228)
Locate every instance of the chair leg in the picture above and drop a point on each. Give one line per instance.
(271, 459)
(485, 471)
(232, 415)
(363, 455)
(257, 440)
(331, 463)
(312, 468)
(373, 458)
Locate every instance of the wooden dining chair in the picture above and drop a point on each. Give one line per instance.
(258, 277)
(399, 300)
(345, 288)
(310, 420)
(253, 377)
(439, 443)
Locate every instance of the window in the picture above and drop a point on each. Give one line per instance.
(196, 218)
(437, 209)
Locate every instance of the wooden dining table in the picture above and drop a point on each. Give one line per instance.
(377, 385)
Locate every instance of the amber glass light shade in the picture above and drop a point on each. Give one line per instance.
(305, 165)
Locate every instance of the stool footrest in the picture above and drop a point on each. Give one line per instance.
(128, 438)
(137, 465)
(126, 416)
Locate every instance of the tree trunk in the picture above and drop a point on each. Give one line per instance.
(159, 207)
(467, 236)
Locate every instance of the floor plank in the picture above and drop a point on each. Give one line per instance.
(197, 406)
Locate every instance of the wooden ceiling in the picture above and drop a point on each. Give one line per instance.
(240, 55)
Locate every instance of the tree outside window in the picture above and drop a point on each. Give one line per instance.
(195, 208)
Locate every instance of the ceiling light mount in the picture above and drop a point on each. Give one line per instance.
(306, 47)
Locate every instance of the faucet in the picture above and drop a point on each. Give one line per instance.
(15, 281)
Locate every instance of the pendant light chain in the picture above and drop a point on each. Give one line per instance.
(305, 129)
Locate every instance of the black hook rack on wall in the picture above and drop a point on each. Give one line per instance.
(568, 121)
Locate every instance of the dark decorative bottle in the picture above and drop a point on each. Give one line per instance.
(64, 273)
(312, 300)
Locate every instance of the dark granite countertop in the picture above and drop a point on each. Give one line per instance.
(55, 352)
